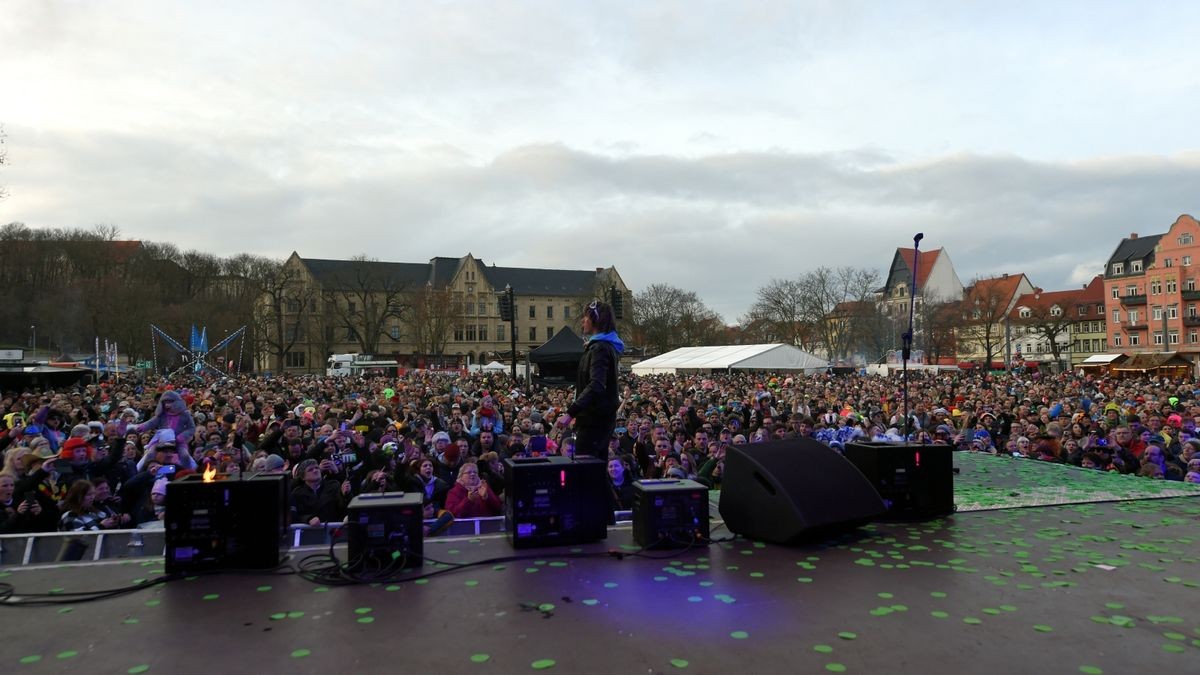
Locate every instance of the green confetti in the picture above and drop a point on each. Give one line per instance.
(531, 570)
(804, 580)
(1090, 670)
(300, 653)
(69, 654)
(1042, 628)
(885, 596)
(835, 667)
(545, 607)
(1114, 605)
(739, 635)
(1175, 636)
(480, 658)
(542, 664)
(695, 598)
(363, 610)
(66, 610)
(1173, 648)
(938, 614)
(263, 589)
(32, 658)
(972, 621)
(938, 594)
(679, 663)
(823, 649)
(138, 669)
(391, 589)
(320, 589)
(471, 582)
(277, 616)
(1008, 608)
(212, 596)
(130, 621)
(847, 635)
(421, 582)
(558, 563)
(590, 602)
(991, 611)
(295, 614)
(499, 567)
(153, 603)
(610, 584)
(366, 619)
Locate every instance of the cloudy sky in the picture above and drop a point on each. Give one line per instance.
(713, 146)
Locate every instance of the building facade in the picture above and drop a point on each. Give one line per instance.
(441, 314)
(1153, 292)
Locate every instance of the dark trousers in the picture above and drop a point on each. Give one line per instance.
(593, 440)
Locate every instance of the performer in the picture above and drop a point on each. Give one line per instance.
(596, 401)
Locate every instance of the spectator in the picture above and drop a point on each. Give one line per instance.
(620, 485)
(79, 511)
(317, 498)
(470, 497)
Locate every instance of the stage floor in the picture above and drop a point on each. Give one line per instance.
(1097, 587)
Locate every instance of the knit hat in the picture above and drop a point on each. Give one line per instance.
(74, 448)
(273, 463)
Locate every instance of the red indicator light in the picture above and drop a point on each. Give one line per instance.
(918, 457)
(562, 478)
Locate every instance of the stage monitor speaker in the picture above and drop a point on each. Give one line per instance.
(795, 490)
(385, 532)
(670, 513)
(228, 523)
(915, 481)
(555, 501)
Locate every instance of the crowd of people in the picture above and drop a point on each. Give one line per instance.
(101, 456)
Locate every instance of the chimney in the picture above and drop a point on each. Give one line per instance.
(1005, 275)
(599, 270)
(1133, 235)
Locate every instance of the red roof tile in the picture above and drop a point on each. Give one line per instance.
(928, 258)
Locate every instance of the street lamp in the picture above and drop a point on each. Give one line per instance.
(33, 339)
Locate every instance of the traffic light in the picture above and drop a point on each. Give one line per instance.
(617, 301)
(506, 308)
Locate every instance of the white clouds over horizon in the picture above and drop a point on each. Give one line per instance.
(706, 145)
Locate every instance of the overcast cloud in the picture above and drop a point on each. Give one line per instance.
(712, 146)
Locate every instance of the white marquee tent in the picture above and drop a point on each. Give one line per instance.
(772, 357)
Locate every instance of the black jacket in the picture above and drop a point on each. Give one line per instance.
(325, 503)
(596, 396)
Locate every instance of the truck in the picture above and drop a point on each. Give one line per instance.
(341, 365)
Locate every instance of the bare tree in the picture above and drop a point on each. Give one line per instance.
(983, 312)
(370, 294)
(937, 318)
(435, 314)
(832, 302)
(777, 314)
(1048, 320)
(3, 159)
(286, 300)
(666, 317)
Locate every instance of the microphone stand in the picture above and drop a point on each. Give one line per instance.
(906, 348)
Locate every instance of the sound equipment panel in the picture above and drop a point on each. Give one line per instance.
(915, 481)
(670, 514)
(555, 501)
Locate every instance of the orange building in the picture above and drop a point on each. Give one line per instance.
(1153, 292)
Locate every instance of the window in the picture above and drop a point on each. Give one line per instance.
(1136, 266)
(1116, 292)
(1131, 290)
(1192, 337)
(351, 307)
(1116, 316)
(1155, 287)
(533, 333)
(1173, 312)
(1167, 262)
(458, 334)
(1024, 313)
(500, 332)
(1157, 313)
(1056, 311)
(1083, 310)
(1189, 285)
(482, 308)
(1173, 337)
(549, 311)
(293, 305)
(566, 311)
(394, 332)
(532, 312)
(1186, 261)
(1185, 239)
(1134, 339)
(1191, 311)
(1133, 314)
(483, 331)
(294, 359)
(1172, 286)
(293, 332)
(329, 333)
(1117, 340)
(351, 334)
(1118, 268)
(470, 337)
(549, 332)
(1158, 338)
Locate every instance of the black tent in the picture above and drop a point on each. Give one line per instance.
(558, 358)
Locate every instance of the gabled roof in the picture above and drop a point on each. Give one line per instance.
(527, 281)
(1004, 286)
(348, 274)
(1040, 302)
(926, 262)
(1138, 248)
(1093, 293)
(442, 270)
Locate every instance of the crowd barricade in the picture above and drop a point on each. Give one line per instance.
(51, 547)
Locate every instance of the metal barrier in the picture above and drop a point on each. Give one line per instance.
(49, 547)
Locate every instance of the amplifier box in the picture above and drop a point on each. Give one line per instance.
(555, 501)
(670, 513)
(384, 531)
(915, 481)
(224, 524)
